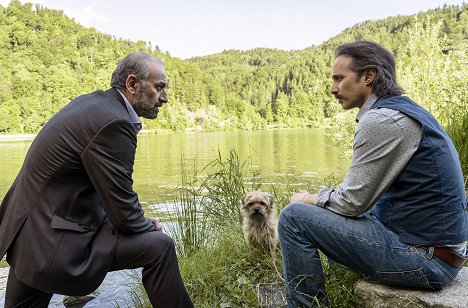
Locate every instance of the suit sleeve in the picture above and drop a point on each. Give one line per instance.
(108, 160)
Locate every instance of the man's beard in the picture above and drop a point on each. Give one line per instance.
(143, 107)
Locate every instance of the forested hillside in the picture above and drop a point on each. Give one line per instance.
(292, 87)
(46, 59)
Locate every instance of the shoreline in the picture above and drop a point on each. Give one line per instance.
(148, 132)
(17, 137)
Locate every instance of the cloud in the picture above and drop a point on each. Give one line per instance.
(84, 15)
(87, 15)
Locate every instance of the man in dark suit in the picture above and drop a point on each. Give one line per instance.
(71, 214)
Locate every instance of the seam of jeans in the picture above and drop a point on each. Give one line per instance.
(390, 274)
(286, 265)
(434, 261)
(338, 231)
(290, 280)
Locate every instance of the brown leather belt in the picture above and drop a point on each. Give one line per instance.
(448, 255)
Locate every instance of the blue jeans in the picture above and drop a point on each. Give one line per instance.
(361, 243)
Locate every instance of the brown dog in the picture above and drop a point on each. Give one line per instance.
(260, 222)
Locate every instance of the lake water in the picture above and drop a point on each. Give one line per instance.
(299, 154)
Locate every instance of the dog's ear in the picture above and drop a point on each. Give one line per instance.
(270, 199)
(242, 200)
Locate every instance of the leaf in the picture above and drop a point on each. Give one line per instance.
(242, 280)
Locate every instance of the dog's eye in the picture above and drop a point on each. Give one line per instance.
(262, 203)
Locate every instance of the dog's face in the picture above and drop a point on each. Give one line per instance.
(257, 204)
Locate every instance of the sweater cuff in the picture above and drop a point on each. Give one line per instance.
(323, 197)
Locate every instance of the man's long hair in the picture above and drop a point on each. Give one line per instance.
(369, 55)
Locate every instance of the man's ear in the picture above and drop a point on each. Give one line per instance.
(369, 75)
(131, 83)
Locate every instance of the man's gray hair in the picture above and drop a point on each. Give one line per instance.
(135, 63)
(369, 55)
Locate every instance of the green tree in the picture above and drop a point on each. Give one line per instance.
(281, 108)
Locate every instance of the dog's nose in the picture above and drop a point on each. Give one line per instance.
(257, 210)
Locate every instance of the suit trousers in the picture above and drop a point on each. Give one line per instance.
(153, 251)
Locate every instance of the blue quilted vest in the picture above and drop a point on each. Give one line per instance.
(426, 204)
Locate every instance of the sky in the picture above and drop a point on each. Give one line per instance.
(188, 28)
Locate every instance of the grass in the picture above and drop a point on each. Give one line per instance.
(188, 222)
(339, 284)
(226, 274)
(218, 269)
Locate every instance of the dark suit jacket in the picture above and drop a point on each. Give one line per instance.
(59, 219)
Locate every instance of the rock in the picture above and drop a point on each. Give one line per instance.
(271, 295)
(77, 301)
(373, 294)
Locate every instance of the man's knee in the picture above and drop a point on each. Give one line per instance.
(169, 243)
(298, 211)
(302, 215)
(164, 242)
(157, 244)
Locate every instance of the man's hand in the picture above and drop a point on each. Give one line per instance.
(156, 222)
(303, 196)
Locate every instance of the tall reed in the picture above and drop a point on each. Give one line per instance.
(187, 219)
(225, 184)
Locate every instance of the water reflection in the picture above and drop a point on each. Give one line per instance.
(294, 153)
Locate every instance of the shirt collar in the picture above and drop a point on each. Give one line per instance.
(133, 115)
(367, 106)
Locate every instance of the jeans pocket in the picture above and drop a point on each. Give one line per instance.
(414, 278)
